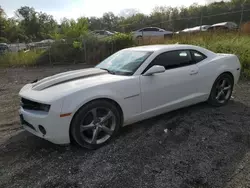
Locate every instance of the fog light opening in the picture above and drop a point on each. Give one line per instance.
(42, 129)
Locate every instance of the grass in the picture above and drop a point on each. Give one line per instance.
(16, 59)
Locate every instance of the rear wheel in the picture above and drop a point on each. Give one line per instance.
(222, 90)
(95, 124)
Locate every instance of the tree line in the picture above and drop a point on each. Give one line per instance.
(29, 25)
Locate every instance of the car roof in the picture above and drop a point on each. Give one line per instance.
(162, 47)
(149, 27)
(225, 24)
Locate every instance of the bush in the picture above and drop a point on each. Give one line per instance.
(120, 41)
(89, 49)
(3, 40)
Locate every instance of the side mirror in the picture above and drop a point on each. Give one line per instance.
(153, 70)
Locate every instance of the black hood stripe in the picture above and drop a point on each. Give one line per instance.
(81, 77)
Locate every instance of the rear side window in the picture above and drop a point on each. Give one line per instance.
(197, 56)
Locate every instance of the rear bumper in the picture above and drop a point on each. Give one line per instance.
(56, 127)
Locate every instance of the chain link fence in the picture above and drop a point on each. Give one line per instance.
(93, 51)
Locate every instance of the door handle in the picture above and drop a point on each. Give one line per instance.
(193, 72)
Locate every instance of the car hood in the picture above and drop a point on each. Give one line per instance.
(66, 77)
(64, 84)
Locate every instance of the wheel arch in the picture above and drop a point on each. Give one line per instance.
(116, 104)
(225, 72)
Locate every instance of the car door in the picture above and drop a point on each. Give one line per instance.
(102, 33)
(156, 32)
(149, 31)
(174, 88)
(146, 32)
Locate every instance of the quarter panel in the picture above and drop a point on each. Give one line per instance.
(212, 68)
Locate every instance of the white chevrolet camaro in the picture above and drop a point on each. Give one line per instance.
(90, 105)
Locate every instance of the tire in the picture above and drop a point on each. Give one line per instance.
(95, 124)
(222, 90)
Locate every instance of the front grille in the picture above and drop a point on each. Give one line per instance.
(31, 105)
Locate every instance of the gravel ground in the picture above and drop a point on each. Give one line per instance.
(207, 147)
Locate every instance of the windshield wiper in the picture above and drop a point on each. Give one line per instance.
(109, 71)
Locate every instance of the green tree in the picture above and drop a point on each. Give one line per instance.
(36, 25)
(73, 29)
(94, 23)
(109, 21)
(2, 23)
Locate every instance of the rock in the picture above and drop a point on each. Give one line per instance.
(166, 130)
(158, 170)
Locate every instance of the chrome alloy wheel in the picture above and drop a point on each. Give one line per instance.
(97, 125)
(223, 90)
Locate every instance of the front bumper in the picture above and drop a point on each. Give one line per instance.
(57, 128)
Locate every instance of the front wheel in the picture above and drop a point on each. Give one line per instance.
(95, 124)
(222, 90)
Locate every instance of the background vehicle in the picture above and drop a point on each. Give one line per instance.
(3, 48)
(103, 33)
(43, 44)
(130, 85)
(223, 26)
(194, 29)
(150, 31)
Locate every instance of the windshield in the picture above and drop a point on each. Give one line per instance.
(124, 62)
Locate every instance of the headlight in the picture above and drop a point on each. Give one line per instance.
(32, 105)
(44, 107)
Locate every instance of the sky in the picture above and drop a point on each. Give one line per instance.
(77, 8)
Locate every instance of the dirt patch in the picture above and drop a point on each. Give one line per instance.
(206, 147)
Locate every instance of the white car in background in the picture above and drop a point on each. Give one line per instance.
(223, 26)
(195, 29)
(151, 31)
(91, 105)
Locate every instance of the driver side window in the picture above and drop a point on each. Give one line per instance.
(172, 59)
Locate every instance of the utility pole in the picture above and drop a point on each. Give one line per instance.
(201, 20)
(242, 12)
